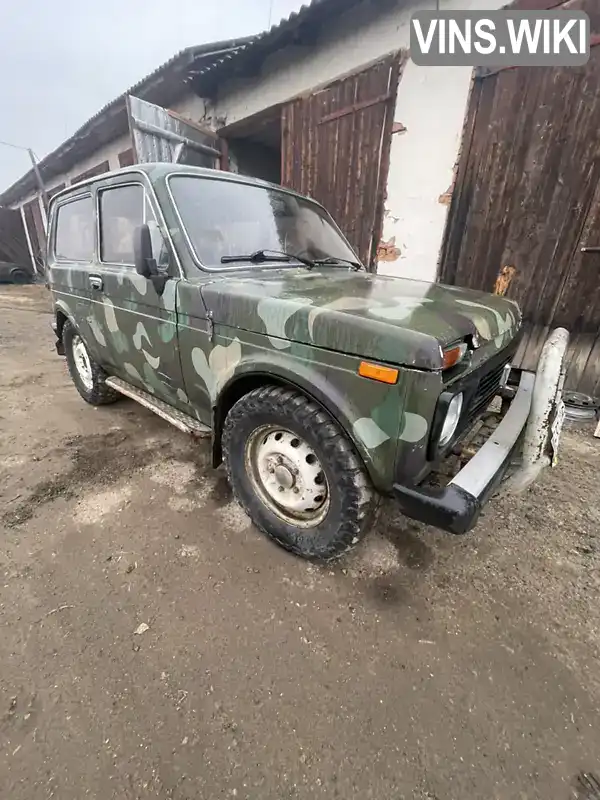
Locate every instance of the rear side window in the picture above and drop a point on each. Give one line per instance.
(75, 230)
(121, 212)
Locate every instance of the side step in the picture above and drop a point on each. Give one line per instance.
(177, 418)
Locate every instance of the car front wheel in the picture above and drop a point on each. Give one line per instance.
(296, 473)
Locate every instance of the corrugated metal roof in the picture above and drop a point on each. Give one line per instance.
(111, 120)
(187, 55)
(278, 35)
(304, 12)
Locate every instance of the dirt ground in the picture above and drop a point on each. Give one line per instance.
(424, 666)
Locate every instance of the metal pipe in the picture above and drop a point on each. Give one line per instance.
(171, 136)
(37, 173)
(28, 238)
(40, 183)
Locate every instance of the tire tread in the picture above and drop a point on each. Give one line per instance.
(360, 499)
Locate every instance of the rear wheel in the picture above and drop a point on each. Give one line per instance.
(88, 376)
(296, 473)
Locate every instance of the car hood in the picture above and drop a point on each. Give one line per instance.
(397, 320)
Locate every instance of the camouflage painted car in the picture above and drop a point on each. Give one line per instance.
(236, 309)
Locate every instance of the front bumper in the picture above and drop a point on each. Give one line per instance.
(457, 506)
(532, 423)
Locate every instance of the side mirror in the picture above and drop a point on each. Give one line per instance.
(145, 263)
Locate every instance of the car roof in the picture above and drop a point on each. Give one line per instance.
(159, 169)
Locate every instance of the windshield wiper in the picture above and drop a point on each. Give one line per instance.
(335, 260)
(260, 256)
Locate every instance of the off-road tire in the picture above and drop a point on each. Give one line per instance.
(353, 501)
(100, 394)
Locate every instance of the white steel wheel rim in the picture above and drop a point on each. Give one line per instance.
(287, 476)
(82, 362)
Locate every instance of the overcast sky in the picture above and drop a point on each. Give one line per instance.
(61, 61)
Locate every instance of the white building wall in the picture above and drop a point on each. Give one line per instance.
(431, 105)
(109, 152)
(191, 106)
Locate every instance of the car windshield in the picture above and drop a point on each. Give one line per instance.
(224, 218)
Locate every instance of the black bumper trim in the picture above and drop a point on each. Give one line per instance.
(451, 508)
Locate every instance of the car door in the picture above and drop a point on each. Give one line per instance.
(139, 323)
(70, 262)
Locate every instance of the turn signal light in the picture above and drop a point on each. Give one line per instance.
(453, 355)
(378, 373)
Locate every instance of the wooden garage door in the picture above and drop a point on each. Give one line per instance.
(527, 200)
(335, 148)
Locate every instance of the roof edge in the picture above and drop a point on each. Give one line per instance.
(27, 182)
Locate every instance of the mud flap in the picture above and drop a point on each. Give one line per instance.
(60, 348)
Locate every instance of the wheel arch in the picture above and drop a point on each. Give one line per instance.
(61, 318)
(313, 385)
(62, 314)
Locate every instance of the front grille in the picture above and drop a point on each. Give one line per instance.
(479, 389)
(485, 391)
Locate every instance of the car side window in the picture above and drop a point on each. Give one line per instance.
(122, 209)
(75, 230)
(121, 212)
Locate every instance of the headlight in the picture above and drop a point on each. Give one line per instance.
(452, 418)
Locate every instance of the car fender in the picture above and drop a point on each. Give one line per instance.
(310, 382)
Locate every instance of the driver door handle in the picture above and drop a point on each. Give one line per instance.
(95, 282)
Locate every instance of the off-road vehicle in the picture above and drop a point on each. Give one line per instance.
(237, 309)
